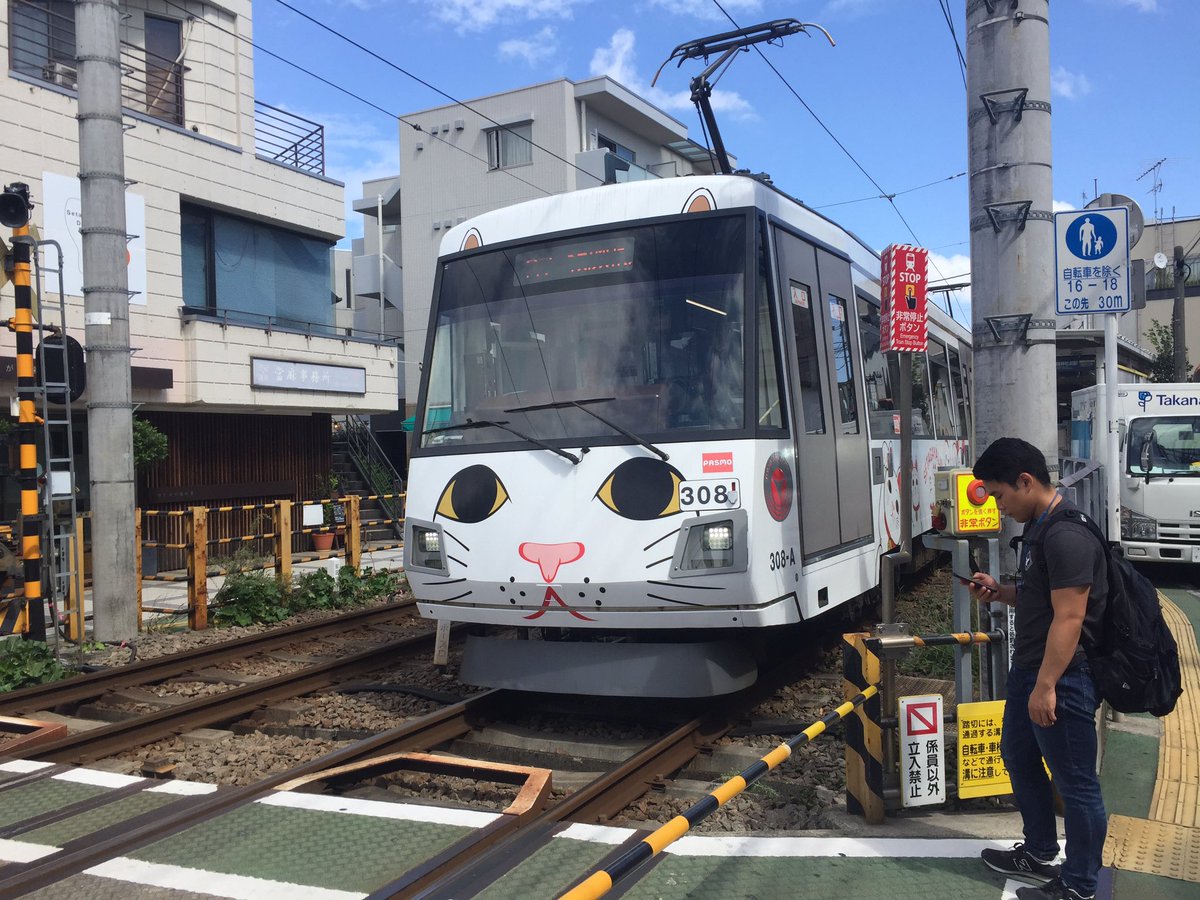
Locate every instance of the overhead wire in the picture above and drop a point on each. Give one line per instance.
(919, 187)
(337, 87)
(890, 197)
(962, 62)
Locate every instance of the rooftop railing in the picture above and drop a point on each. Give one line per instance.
(289, 139)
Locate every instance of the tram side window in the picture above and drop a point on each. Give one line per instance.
(807, 360)
(770, 407)
(945, 421)
(960, 395)
(922, 411)
(843, 361)
(880, 374)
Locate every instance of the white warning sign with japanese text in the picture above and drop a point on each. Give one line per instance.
(922, 751)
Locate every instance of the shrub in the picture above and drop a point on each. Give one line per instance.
(250, 598)
(24, 663)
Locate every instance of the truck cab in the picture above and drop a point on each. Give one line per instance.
(1159, 428)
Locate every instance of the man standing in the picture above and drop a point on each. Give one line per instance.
(1059, 595)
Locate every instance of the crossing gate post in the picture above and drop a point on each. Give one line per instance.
(864, 734)
(198, 570)
(137, 555)
(76, 626)
(353, 531)
(283, 540)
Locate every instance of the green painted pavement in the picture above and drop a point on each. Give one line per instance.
(41, 797)
(93, 820)
(752, 878)
(299, 846)
(549, 871)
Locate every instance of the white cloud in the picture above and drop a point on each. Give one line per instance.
(1070, 85)
(706, 9)
(1062, 206)
(617, 62)
(541, 46)
(955, 269)
(1141, 5)
(479, 15)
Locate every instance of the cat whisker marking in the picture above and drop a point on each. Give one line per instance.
(659, 562)
(690, 587)
(457, 541)
(452, 559)
(672, 600)
(661, 539)
(451, 581)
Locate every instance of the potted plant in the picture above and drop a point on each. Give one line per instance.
(327, 485)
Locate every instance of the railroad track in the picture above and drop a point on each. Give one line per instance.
(149, 671)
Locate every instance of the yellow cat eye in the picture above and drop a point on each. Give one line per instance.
(474, 494)
(643, 488)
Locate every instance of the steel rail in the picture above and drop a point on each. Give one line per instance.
(422, 733)
(119, 737)
(481, 863)
(86, 687)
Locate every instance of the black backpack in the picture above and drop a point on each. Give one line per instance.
(1136, 664)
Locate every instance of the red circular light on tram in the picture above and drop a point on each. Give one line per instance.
(778, 488)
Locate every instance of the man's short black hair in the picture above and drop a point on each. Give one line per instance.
(1006, 458)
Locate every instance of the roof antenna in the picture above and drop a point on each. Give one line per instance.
(727, 44)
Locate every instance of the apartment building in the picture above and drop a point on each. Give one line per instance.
(241, 352)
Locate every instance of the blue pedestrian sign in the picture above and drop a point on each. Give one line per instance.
(1091, 261)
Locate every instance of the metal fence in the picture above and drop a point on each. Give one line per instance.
(289, 139)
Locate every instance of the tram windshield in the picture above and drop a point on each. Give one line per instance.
(644, 323)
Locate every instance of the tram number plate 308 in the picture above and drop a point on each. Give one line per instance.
(710, 493)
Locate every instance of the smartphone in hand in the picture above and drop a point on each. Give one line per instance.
(979, 584)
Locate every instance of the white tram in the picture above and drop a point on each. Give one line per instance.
(652, 416)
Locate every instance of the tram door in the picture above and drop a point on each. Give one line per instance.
(832, 454)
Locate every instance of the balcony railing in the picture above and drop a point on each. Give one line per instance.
(42, 42)
(1164, 279)
(270, 324)
(289, 139)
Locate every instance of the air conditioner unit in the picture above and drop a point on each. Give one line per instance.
(60, 73)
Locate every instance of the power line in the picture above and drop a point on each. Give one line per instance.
(962, 62)
(919, 187)
(891, 198)
(434, 88)
(337, 87)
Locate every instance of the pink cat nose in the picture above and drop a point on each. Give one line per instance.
(548, 557)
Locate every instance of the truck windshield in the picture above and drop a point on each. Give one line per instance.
(645, 323)
(1164, 445)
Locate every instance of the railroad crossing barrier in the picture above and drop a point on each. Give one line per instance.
(600, 883)
(868, 732)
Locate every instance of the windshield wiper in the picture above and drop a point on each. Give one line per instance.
(581, 405)
(503, 426)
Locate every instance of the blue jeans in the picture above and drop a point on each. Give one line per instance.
(1069, 749)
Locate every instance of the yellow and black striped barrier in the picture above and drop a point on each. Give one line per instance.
(26, 616)
(600, 883)
(864, 735)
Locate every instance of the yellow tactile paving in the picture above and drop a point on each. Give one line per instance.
(1157, 848)
(1177, 788)
(1168, 843)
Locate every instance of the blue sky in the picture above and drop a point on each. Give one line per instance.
(1124, 75)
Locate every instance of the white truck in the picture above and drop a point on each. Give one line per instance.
(1159, 475)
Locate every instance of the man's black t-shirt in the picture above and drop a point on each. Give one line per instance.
(1072, 557)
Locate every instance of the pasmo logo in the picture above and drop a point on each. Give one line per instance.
(716, 462)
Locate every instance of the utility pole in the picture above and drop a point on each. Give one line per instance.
(1178, 332)
(106, 318)
(1012, 225)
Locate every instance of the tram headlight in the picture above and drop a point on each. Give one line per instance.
(718, 537)
(424, 550)
(1136, 527)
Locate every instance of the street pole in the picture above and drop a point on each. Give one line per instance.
(1178, 332)
(379, 212)
(106, 318)
(1112, 444)
(1012, 225)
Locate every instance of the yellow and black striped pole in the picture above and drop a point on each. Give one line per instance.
(864, 734)
(600, 883)
(26, 616)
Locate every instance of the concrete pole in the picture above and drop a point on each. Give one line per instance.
(1178, 332)
(379, 224)
(1012, 226)
(106, 316)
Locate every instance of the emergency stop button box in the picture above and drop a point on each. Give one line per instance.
(964, 507)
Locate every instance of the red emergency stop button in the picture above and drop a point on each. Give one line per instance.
(977, 493)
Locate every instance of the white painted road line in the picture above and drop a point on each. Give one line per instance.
(239, 887)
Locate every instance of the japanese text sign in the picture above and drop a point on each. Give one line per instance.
(922, 751)
(981, 771)
(904, 320)
(1091, 261)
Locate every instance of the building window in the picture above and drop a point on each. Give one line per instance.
(42, 38)
(510, 145)
(618, 150)
(253, 272)
(163, 83)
